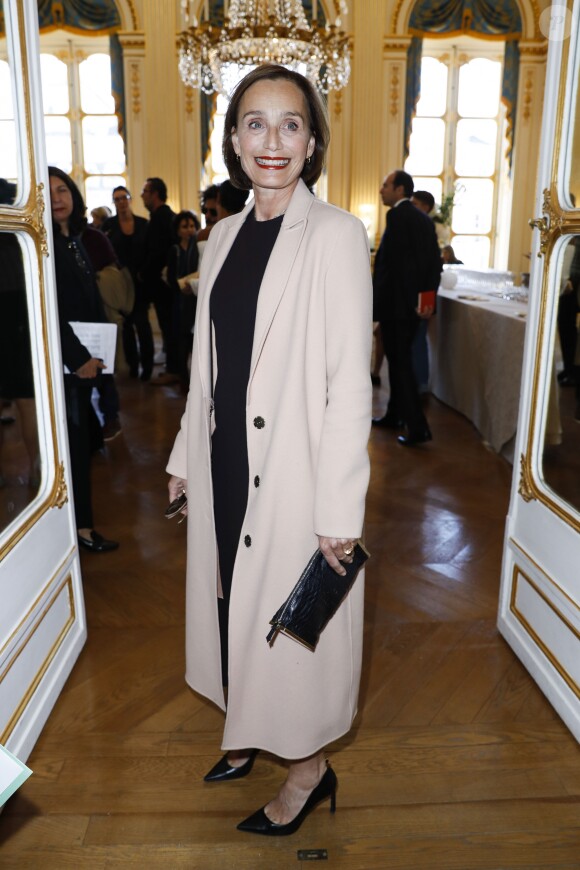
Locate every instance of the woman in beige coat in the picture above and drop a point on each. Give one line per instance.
(272, 449)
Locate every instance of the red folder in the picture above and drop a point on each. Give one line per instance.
(426, 300)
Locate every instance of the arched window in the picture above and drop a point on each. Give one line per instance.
(458, 144)
(82, 136)
(462, 77)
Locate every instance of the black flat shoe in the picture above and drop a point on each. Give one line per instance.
(259, 823)
(97, 544)
(415, 438)
(388, 422)
(566, 378)
(223, 770)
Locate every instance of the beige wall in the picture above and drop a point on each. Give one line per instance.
(366, 119)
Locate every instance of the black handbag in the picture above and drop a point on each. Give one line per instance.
(315, 598)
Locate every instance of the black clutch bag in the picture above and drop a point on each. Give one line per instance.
(315, 598)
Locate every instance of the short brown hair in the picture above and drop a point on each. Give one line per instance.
(317, 120)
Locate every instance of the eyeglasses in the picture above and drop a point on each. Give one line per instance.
(212, 212)
(121, 198)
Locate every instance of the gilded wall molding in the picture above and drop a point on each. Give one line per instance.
(560, 667)
(528, 95)
(34, 220)
(133, 11)
(396, 13)
(135, 88)
(525, 488)
(533, 49)
(395, 43)
(57, 643)
(536, 14)
(132, 39)
(394, 90)
(554, 222)
(549, 224)
(60, 492)
(189, 95)
(516, 545)
(551, 221)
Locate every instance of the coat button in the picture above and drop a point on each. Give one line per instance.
(259, 422)
(248, 541)
(256, 481)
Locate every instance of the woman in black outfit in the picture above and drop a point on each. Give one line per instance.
(127, 233)
(78, 300)
(182, 264)
(272, 449)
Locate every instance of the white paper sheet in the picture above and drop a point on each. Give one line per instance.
(100, 339)
(12, 774)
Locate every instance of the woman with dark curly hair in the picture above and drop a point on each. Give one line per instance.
(273, 446)
(78, 300)
(182, 263)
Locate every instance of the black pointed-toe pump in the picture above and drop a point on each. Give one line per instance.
(223, 771)
(259, 823)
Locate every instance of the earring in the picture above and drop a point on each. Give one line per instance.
(237, 157)
(308, 159)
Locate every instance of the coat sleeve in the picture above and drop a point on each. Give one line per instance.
(177, 464)
(74, 354)
(343, 467)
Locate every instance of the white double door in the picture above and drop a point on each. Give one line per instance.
(539, 611)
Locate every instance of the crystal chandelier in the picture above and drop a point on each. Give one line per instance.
(214, 58)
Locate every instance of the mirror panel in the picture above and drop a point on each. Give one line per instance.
(20, 462)
(10, 153)
(561, 443)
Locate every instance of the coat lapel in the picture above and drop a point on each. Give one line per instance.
(278, 269)
(225, 232)
(273, 284)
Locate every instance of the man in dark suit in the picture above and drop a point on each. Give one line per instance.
(158, 241)
(407, 263)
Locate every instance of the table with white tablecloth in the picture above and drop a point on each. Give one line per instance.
(477, 343)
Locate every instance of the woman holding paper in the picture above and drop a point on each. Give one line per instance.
(272, 449)
(78, 300)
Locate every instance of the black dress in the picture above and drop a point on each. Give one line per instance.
(233, 303)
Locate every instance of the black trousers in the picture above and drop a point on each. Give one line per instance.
(78, 413)
(184, 309)
(138, 322)
(404, 400)
(109, 404)
(164, 300)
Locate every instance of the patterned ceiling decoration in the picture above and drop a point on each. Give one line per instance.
(79, 16)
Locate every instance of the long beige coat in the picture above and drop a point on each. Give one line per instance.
(308, 420)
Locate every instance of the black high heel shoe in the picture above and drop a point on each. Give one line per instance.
(223, 771)
(259, 823)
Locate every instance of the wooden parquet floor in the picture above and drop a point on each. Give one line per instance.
(456, 760)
